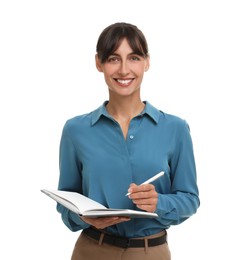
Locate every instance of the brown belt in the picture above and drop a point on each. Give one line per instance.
(124, 242)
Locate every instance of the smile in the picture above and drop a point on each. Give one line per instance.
(124, 82)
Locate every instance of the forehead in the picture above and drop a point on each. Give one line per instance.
(123, 47)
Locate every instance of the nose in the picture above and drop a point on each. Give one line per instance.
(124, 68)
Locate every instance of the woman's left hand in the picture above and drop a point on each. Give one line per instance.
(144, 196)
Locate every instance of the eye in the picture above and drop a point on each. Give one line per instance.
(135, 58)
(113, 59)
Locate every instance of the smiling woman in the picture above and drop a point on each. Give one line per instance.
(110, 151)
(122, 55)
(123, 72)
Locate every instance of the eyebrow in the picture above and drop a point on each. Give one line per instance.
(131, 53)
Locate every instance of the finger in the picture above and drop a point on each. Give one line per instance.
(131, 188)
(149, 201)
(147, 194)
(148, 208)
(139, 188)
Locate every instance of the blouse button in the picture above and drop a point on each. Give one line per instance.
(131, 136)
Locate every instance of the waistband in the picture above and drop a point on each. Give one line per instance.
(123, 242)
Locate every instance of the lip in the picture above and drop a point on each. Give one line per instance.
(124, 82)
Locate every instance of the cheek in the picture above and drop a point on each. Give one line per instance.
(107, 76)
(109, 70)
(140, 69)
(140, 72)
(107, 79)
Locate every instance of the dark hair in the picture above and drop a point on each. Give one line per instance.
(111, 37)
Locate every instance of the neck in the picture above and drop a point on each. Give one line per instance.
(124, 109)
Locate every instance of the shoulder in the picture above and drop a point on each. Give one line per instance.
(162, 117)
(172, 121)
(85, 121)
(77, 120)
(171, 118)
(174, 124)
(78, 124)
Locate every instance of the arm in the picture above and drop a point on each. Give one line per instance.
(182, 201)
(70, 178)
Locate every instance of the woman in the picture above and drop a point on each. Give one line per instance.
(110, 151)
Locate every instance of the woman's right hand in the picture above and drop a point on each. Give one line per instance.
(103, 222)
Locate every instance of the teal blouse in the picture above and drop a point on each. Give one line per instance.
(97, 161)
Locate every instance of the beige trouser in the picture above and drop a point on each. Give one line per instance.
(87, 248)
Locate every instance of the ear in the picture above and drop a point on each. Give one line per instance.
(98, 63)
(147, 64)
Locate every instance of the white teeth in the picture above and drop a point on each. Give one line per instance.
(124, 82)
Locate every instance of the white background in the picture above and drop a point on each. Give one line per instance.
(47, 75)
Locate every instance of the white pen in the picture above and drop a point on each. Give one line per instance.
(155, 177)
